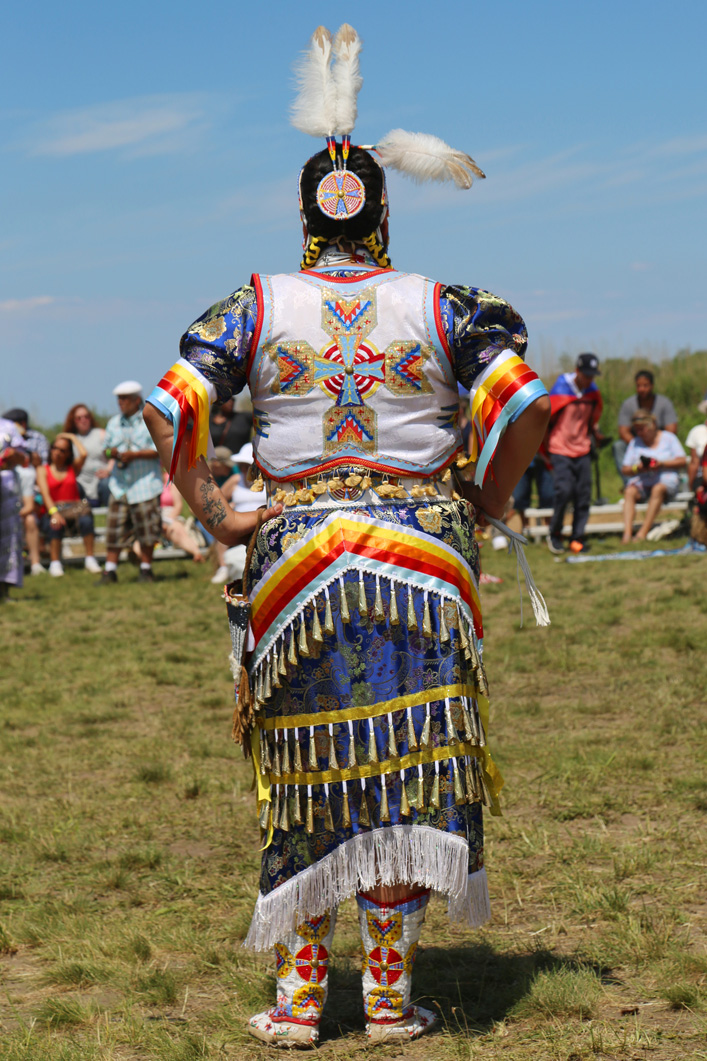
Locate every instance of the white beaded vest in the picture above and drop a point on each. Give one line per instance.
(351, 372)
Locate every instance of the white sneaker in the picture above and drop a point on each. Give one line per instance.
(220, 576)
(56, 568)
(37, 569)
(92, 565)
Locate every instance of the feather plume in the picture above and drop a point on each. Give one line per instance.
(347, 77)
(426, 158)
(314, 109)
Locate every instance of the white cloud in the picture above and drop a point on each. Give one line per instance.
(21, 305)
(145, 122)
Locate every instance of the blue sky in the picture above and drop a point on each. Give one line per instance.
(148, 169)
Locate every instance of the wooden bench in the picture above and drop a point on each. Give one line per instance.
(600, 521)
(73, 551)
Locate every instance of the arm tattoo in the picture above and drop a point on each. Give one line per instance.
(214, 508)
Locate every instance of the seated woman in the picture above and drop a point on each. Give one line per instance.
(96, 469)
(58, 484)
(652, 461)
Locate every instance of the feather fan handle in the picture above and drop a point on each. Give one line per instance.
(347, 77)
(314, 109)
(427, 158)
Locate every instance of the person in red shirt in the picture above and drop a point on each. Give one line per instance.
(575, 411)
(58, 486)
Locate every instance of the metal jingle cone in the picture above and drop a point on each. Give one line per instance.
(264, 815)
(265, 760)
(384, 808)
(362, 602)
(284, 814)
(316, 625)
(378, 612)
(343, 603)
(426, 619)
(328, 618)
(425, 735)
(372, 748)
(485, 795)
(276, 809)
(297, 808)
(274, 671)
(443, 630)
(313, 760)
(394, 617)
(328, 819)
(345, 811)
(282, 664)
(412, 618)
(286, 764)
(333, 763)
(309, 827)
(352, 764)
(421, 804)
(364, 818)
(292, 653)
(267, 687)
(276, 764)
(298, 756)
(452, 735)
(434, 794)
(302, 642)
(475, 786)
(469, 781)
(469, 733)
(392, 746)
(459, 793)
(412, 739)
(405, 811)
(463, 639)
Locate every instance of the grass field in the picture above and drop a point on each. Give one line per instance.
(129, 847)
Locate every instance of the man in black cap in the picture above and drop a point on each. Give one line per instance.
(576, 408)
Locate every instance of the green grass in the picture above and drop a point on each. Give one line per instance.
(129, 846)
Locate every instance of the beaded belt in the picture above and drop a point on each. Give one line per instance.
(349, 486)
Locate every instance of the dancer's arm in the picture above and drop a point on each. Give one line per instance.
(198, 487)
(519, 444)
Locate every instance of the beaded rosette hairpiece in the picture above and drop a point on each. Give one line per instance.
(340, 194)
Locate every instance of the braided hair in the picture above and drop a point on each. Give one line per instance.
(363, 227)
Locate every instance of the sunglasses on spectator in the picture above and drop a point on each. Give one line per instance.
(61, 449)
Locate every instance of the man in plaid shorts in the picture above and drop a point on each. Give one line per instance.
(135, 484)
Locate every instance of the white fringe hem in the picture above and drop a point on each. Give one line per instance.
(401, 854)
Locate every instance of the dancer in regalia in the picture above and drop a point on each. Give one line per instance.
(365, 663)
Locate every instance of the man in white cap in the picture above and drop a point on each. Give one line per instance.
(135, 484)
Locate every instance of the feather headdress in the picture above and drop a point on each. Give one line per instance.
(326, 101)
(427, 158)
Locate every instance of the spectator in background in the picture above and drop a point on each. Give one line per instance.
(576, 408)
(644, 400)
(539, 473)
(173, 526)
(58, 484)
(12, 456)
(696, 443)
(28, 514)
(34, 442)
(93, 477)
(135, 484)
(229, 428)
(652, 461)
(242, 498)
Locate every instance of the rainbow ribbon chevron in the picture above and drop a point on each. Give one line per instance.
(185, 396)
